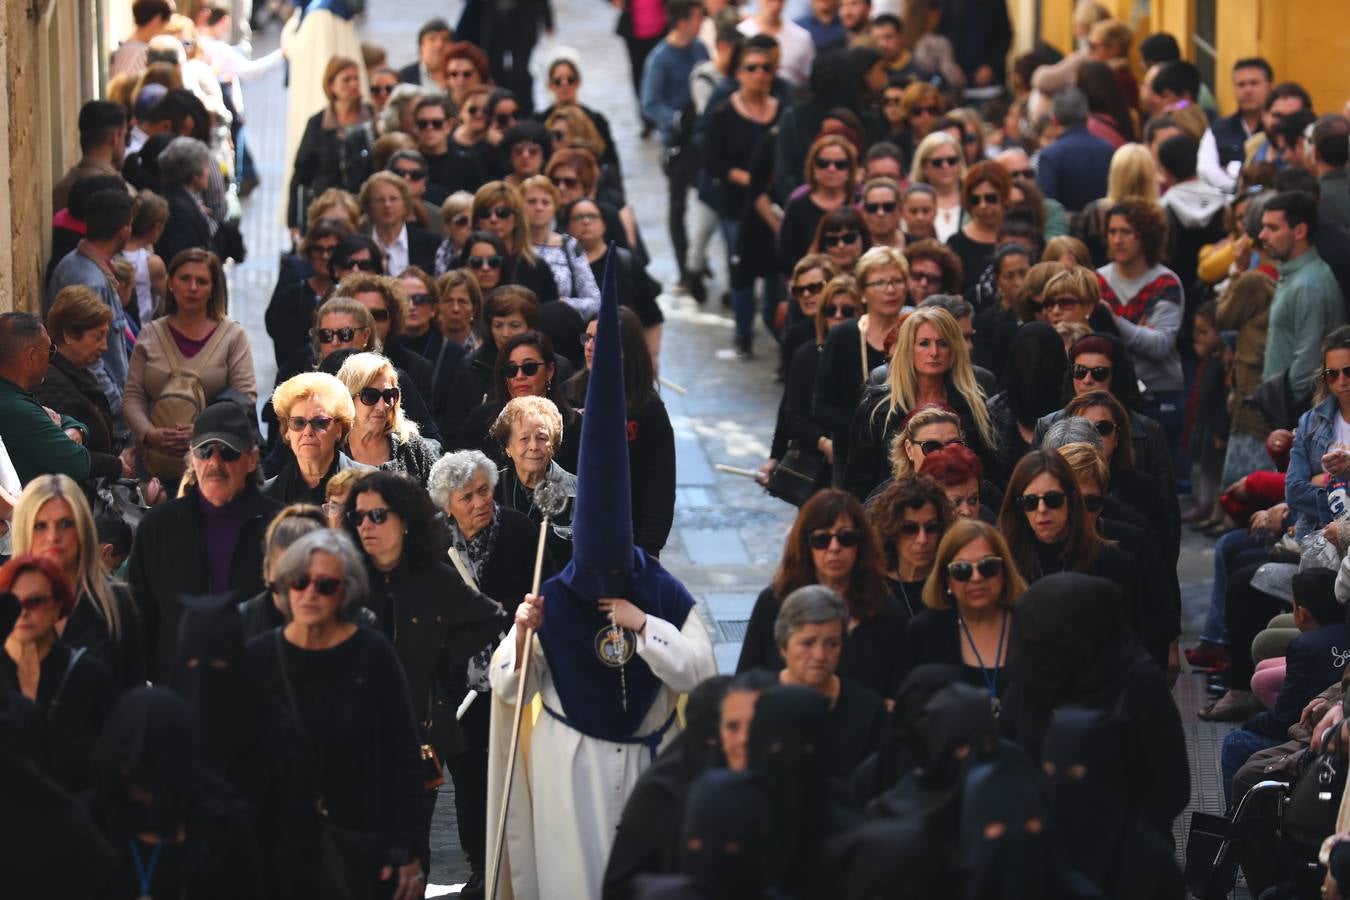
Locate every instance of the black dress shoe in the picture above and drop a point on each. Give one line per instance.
(474, 888)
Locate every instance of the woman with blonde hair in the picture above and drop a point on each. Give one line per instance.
(924, 431)
(316, 414)
(499, 208)
(318, 159)
(381, 436)
(930, 366)
(939, 161)
(565, 258)
(52, 519)
(1133, 175)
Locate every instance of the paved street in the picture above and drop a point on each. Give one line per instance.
(728, 533)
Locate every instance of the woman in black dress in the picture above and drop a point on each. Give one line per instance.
(530, 431)
(986, 188)
(910, 515)
(832, 543)
(319, 160)
(841, 234)
(832, 172)
(291, 309)
(499, 208)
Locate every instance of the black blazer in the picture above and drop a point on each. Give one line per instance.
(186, 228)
(290, 313)
(422, 246)
(411, 73)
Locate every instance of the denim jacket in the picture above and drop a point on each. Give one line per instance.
(1314, 434)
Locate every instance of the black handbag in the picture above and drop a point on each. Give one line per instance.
(795, 477)
(1310, 812)
(1274, 398)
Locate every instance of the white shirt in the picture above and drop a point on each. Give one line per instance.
(796, 50)
(395, 252)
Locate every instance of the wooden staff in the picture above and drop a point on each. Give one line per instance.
(736, 470)
(550, 500)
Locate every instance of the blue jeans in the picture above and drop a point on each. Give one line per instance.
(1234, 550)
(1238, 747)
(743, 298)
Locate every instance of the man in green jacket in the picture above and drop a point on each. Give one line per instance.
(1308, 301)
(37, 445)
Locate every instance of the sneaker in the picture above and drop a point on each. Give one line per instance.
(475, 887)
(743, 349)
(693, 283)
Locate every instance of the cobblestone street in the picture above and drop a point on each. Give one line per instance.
(728, 533)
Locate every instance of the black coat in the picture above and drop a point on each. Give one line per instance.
(124, 658)
(186, 228)
(416, 365)
(840, 384)
(168, 558)
(289, 317)
(934, 636)
(72, 391)
(651, 467)
(470, 386)
(320, 160)
(509, 573)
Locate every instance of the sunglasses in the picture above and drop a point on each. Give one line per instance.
(485, 262)
(422, 300)
(567, 183)
(379, 314)
(495, 212)
(1098, 373)
(1024, 173)
(808, 290)
(215, 448)
(875, 208)
(893, 101)
(427, 124)
(531, 369)
(1105, 427)
(559, 136)
(942, 162)
(369, 396)
(840, 165)
(970, 138)
(378, 516)
(1333, 374)
(1061, 303)
(912, 529)
(934, 446)
(29, 604)
(1032, 502)
(925, 110)
(847, 537)
(461, 73)
(323, 249)
(474, 110)
(505, 120)
(318, 423)
(962, 570)
(460, 221)
(834, 240)
(1094, 502)
(925, 277)
(757, 67)
(583, 218)
(329, 335)
(838, 310)
(323, 584)
(381, 89)
(365, 265)
(984, 200)
(411, 174)
(564, 80)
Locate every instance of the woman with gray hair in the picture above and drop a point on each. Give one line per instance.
(346, 688)
(810, 630)
(530, 430)
(184, 171)
(1071, 430)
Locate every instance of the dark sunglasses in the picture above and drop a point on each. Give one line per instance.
(329, 335)
(911, 529)
(323, 249)
(567, 183)
(1094, 502)
(808, 290)
(426, 124)
(847, 537)
(318, 423)
(369, 396)
(758, 67)
(1024, 173)
(323, 584)
(531, 369)
(1098, 373)
(422, 300)
(505, 120)
(1333, 374)
(215, 448)
(29, 604)
(875, 208)
(834, 240)
(1032, 502)
(365, 265)
(840, 165)
(382, 89)
(411, 174)
(485, 262)
(474, 110)
(970, 138)
(564, 80)
(379, 314)
(1105, 427)
(460, 221)
(934, 446)
(962, 570)
(984, 200)
(925, 110)
(1060, 303)
(838, 310)
(925, 277)
(942, 162)
(495, 212)
(378, 516)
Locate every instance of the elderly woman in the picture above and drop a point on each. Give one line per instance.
(387, 204)
(73, 690)
(530, 429)
(969, 597)
(195, 347)
(78, 324)
(381, 436)
(910, 515)
(833, 544)
(347, 690)
(569, 264)
(183, 172)
(319, 163)
(52, 519)
(526, 367)
(316, 414)
(436, 622)
(810, 631)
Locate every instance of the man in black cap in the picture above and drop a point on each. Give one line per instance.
(207, 541)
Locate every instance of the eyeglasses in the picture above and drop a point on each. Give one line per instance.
(925, 277)
(461, 73)
(380, 90)
(531, 369)
(422, 300)
(365, 265)
(584, 218)
(324, 585)
(893, 101)
(378, 515)
(587, 340)
(485, 262)
(847, 537)
(323, 249)
(1105, 427)
(379, 314)
(29, 604)
(527, 149)
(1098, 373)
(962, 570)
(934, 446)
(1023, 173)
(369, 396)
(834, 240)
(411, 174)
(460, 221)
(559, 136)
(911, 529)
(344, 335)
(758, 67)
(1061, 303)
(426, 124)
(568, 184)
(925, 110)
(474, 110)
(875, 208)
(1333, 374)
(942, 162)
(564, 80)
(505, 120)
(216, 448)
(984, 199)
(886, 284)
(808, 290)
(840, 165)
(838, 310)
(1032, 502)
(318, 423)
(1094, 502)
(494, 212)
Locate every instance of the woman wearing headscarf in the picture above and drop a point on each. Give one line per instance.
(1071, 647)
(1031, 389)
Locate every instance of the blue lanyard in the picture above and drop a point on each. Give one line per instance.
(990, 681)
(143, 872)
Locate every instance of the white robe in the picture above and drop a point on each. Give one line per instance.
(570, 790)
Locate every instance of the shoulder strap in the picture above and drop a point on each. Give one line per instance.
(462, 567)
(171, 351)
(55, 702)
(862, 346)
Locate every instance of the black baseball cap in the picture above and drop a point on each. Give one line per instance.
(226, 422)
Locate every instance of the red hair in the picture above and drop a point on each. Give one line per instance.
(952, 465)
(62, 592)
